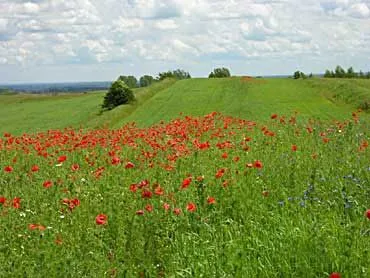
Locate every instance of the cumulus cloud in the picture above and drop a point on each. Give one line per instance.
(149, 35)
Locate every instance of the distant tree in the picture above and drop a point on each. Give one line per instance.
(303, 76)
(327, 74)
(119, 93)
(130, 80)
(297, 74)
(219, 73)
(368, 75)
(361, 74)
(340, 72)
(350, 73)
(178, 74)
(311, 75)
(146, 80)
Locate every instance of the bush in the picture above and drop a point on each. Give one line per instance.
(119, 93)
(219, 73)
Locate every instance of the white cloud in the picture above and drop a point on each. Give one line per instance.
(195, 34)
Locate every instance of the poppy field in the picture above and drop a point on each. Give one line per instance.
(209, 196)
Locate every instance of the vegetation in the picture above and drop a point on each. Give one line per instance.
(119, 93)
(339, 72)
(146, 80)
(177, 74)
(220, 73)
(130, 81)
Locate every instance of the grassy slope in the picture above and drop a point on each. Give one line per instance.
(254, 100)
(320, 98)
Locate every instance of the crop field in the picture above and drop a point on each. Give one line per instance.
(275, 183)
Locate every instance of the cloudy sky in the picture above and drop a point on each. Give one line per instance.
(97, 40)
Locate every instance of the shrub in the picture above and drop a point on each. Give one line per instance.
(119, 93)
(219, 73)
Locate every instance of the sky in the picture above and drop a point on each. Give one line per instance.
(98, 40)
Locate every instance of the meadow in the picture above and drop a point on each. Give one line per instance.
(199, 178)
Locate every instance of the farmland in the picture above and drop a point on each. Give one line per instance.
(199, 178)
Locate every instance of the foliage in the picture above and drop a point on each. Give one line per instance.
(341, 73)
(130, 81)
(146, 80)
(178, 74)
(119, 93)
(299, 74)
(220, 73)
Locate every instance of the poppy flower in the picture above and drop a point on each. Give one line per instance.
(35, 168)
(101, 219)
(133, 187)
(177, 211)
(75, 167)
(211, 200)
(220, 173)
(367, 214)
(47, 184)
(146, 194)
(265, 193)
(166, 206)
(149, 208)
(139, 212)
(274, 116)
(115, 160)
(62, 158)
(158, 190)
(294, 148)
(191, 207)
(258, 164)
(224, 155)
(17, 202)
(2, 200)
(335, 275)
(8, 169)
(129, 165)
(186, 182)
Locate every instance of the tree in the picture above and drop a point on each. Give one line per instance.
(219, 73)
(361, 74)
(297, 74)
(340, 72)
(130, 80)
(146, 80)
(178, 74)
(350, 73)
(119, 93)
(311, 75)
(327, 74)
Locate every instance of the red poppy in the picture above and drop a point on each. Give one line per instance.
(47, 184)
(133, 187)
(129, 165)
(211, 200)
(265, 193)
(146, 194)
(274, 116)
(224, 155)
(139, 212)
(17, 202)
(258, 164)
(294, 148)
(186, 182)
(149, 208)
(335, 275)
(158, 190)
(191, 207)
(33, 226)
(101, 219)
(62, 158)
(8, 169)
(75, 167)
(35, 168)
(367, 214)
(220, 173)
(115, 160)
(166, 206)
(177, 211)
(2, 200)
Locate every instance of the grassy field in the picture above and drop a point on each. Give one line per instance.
(265, 192)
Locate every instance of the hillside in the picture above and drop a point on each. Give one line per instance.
(243, 97)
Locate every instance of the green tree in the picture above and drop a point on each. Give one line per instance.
(361, 74)
(350, 73)
(327, 74)
(119, 93)
(340, 72)
(220, 73)
(146, 80)
(178, 74)
(130, 80)
(297, 74)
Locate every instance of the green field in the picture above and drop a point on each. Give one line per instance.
(243, 178)
(318, 98)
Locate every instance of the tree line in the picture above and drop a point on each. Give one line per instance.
(339, 72)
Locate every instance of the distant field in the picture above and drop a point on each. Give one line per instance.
(253, 99)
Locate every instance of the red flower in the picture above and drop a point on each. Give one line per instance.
(101, 219)
(62, 158)
(17, 202)
(158, 190)
(75, 167)
(133, 187)
(129, 165)
(139, 212)
(149, 208)
(224, 155)
(191, 207)
(177, 211)
(166, 206)
(211, 200)
(220, 173)
(146, 194)
(2, 200)
(115, 160)
(258, 164)
(36, 226)
(274, 116)
(294, 148)
(186, 182)
(47, 184)
(335, 275)
(367, 214)
(35, 168)
(8, 169)
(265, 193)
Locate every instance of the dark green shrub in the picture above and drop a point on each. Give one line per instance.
(119, 93)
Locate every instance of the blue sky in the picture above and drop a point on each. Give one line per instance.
(97, 40)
